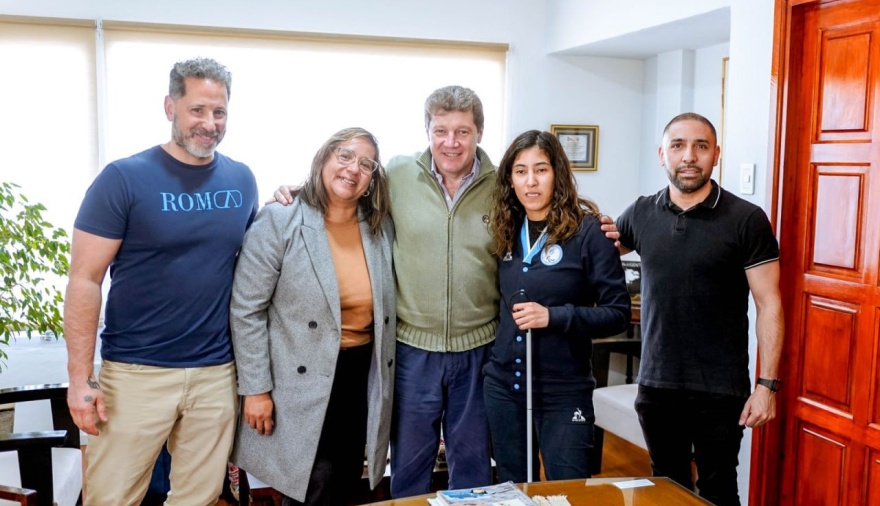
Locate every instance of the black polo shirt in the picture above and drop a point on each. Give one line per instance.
(695, 295)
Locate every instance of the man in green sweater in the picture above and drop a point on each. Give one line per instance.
(447, 297)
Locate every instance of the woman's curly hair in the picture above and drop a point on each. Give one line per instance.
(567, 209)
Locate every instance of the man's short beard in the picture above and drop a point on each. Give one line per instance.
(192, 148)
(690, 186)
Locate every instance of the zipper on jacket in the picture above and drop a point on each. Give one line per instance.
(449, 249)
(450, 216)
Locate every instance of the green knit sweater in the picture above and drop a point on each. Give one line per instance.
(444, 261)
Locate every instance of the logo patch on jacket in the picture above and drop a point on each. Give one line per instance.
(578, 416)
(551, 255)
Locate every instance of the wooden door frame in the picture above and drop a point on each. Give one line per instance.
(767, 442)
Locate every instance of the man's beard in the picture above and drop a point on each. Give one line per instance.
(690, 185)
(191, 146)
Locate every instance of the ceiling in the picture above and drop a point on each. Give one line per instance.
(698, 31)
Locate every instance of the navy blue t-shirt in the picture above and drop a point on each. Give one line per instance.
(181, 228)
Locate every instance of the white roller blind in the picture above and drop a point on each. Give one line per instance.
(48, 143)
(289, 95)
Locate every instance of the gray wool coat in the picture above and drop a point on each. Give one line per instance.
(285, 319)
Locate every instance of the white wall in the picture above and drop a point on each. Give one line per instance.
(610, 92)
(707, 81)
(650, 178)
(748, 133)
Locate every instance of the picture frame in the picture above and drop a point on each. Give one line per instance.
(580, 143)
(725, 63)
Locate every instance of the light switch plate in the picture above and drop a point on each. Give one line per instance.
(747, 178)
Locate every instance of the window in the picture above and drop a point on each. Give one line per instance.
(74, 104)
(290, 95)
(48, 133)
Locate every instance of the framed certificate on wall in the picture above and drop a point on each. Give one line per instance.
(580, 143)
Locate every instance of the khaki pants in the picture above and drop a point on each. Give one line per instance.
(193, 409)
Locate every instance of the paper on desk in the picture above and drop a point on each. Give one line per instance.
(433, 501)
(553, 500)
(623, 485)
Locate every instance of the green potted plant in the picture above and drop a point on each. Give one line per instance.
(30, 249)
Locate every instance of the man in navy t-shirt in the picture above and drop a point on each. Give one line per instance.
(168, 222)
(702, 250)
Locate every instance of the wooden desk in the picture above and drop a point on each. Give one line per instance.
(595, 492)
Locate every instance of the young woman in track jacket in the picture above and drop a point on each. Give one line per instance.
(561, 278)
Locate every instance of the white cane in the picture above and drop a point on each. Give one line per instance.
(529, 405)
(522, 293)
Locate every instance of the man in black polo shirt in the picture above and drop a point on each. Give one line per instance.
(702, 250)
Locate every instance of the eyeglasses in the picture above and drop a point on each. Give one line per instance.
(347, 157)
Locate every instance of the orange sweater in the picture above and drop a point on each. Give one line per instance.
(353, 278)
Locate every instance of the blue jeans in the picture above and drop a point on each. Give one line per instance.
(430, 389)
(562, 428)
(676, 421)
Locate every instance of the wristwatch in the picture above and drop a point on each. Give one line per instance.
(773, 384)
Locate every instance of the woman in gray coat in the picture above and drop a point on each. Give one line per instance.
(313, 326)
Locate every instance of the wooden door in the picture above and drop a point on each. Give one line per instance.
(827, 445)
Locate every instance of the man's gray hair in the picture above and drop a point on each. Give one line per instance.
(455, 98)
(202, 68)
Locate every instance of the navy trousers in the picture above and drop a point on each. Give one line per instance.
(434, 389)
(562, 431)
(676, 421)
